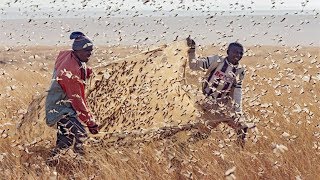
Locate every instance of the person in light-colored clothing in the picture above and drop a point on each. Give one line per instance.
(222, 88)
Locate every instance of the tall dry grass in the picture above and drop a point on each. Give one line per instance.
(281, 96)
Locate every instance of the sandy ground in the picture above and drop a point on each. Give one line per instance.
(281, 92)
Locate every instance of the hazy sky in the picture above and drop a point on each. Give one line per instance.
(168, 4)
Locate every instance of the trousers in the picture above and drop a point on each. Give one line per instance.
(70, 131)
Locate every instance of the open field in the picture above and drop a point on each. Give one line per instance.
(281, 96)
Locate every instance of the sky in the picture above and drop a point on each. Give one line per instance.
(33, 18)
(166, 4)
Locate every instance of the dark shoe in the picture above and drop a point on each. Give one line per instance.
(53, 158)
(241, 135)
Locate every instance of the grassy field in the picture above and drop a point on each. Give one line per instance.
(281, 96)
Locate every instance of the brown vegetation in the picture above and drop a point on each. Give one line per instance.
(281, 96)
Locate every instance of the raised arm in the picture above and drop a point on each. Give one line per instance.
(198, 63)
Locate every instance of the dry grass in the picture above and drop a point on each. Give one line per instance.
(285, 144)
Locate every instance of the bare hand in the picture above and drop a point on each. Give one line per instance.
(93, 127)
(190, 42)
